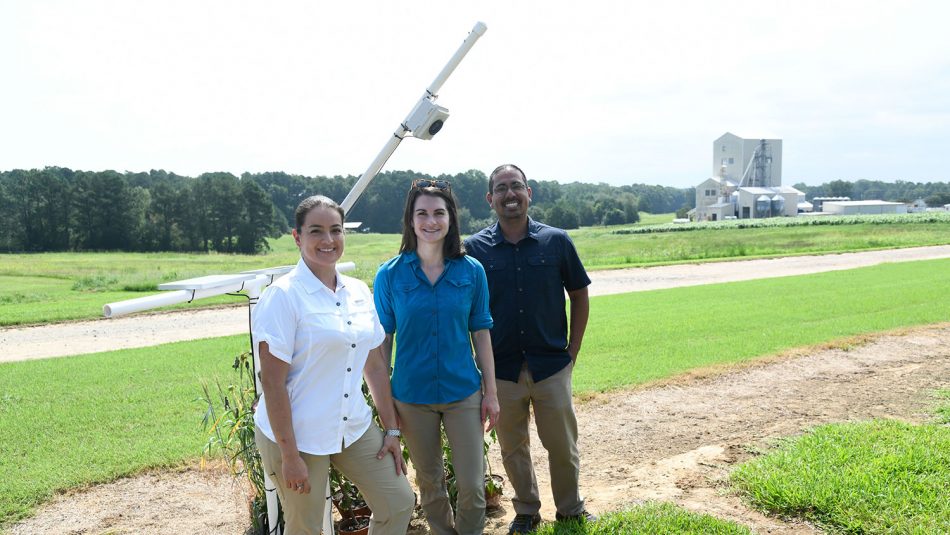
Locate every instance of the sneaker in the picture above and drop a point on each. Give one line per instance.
(580, 518)
(524, 524)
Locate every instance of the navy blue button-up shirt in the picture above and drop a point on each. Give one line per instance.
(526, 283)
(432, 323)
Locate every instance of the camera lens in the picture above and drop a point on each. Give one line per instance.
(435, 127)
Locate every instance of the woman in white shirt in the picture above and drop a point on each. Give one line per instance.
(317, 330)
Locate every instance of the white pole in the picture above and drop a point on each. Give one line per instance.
(431, 92)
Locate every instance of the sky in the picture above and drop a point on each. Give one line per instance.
(618, 92)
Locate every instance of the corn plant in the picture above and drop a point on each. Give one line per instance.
(229, 421)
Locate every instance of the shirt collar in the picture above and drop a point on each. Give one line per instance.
(310, 281)
(498, 237)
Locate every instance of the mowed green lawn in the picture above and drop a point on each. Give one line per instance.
(71, 421)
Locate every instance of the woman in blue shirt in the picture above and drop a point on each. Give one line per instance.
(434, 299)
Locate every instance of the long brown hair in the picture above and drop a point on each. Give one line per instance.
(452, 246)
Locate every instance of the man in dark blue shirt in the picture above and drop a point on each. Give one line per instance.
(529, 267)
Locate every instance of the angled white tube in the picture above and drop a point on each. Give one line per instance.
(431, 92)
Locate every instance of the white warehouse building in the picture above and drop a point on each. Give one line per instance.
(863, 207)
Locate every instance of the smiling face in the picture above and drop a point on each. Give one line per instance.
(430, 219)
(510, 195)
(320, 238)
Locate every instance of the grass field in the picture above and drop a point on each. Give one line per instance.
(40, 288)
(70, 421)
(653, 518)
(868, 477)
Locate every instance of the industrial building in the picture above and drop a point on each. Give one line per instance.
(746, 182)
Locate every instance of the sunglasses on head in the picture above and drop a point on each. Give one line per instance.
(425, 183)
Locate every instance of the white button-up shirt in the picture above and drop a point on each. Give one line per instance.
(325, 336)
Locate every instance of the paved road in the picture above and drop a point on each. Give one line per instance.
(144, 330)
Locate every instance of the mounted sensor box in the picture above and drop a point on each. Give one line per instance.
(426, 119)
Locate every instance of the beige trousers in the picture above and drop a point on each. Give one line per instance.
(421, 427)
(557, 428)
(389, 496)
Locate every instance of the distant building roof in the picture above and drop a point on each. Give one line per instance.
(770, 191)
(864, 203)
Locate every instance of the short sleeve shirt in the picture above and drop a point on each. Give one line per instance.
(325, 336)
(432, 325)
(526, 282)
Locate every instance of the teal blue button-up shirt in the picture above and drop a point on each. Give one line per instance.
(432, 324)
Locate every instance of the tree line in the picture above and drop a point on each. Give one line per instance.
(935, 194)
(58, 209)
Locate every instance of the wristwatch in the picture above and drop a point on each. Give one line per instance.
(393, 433)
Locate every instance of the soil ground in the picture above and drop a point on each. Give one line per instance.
(675, 441)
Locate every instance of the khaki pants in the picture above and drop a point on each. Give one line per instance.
(557, 429)
(421, 426)
(388, 495)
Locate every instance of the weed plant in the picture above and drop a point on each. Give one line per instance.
(870, 477)
(654, 518)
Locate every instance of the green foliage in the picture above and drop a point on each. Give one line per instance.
(655, 518)
(779, 222)
(870, 477)
(81, 420)
(229, 422)
(898, 190)
(943, 409)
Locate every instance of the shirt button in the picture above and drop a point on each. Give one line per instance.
(352, 345)
(344, 418)
(349, 369)
(349, 323)
(346, 395)
(338, 304)
(519, 289)
(519, 269)
(522, 332)
(520, 311)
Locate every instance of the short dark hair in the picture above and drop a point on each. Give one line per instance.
(312, 202)
(452, 246)
(501, 168)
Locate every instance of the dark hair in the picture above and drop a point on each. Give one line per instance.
(501, 168)
(452, 246)
(312, 202)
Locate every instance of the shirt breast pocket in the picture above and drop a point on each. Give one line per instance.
(544, 261)
(460, 292)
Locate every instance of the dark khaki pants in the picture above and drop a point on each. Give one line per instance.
(557, 428)
(421, 427)
(388, 495)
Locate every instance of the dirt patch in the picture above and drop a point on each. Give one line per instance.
(675, 442)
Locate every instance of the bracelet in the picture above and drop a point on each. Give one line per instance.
(393, 433)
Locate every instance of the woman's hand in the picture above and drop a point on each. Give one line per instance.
(295, 474)
(391, 446)
(490, 411)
